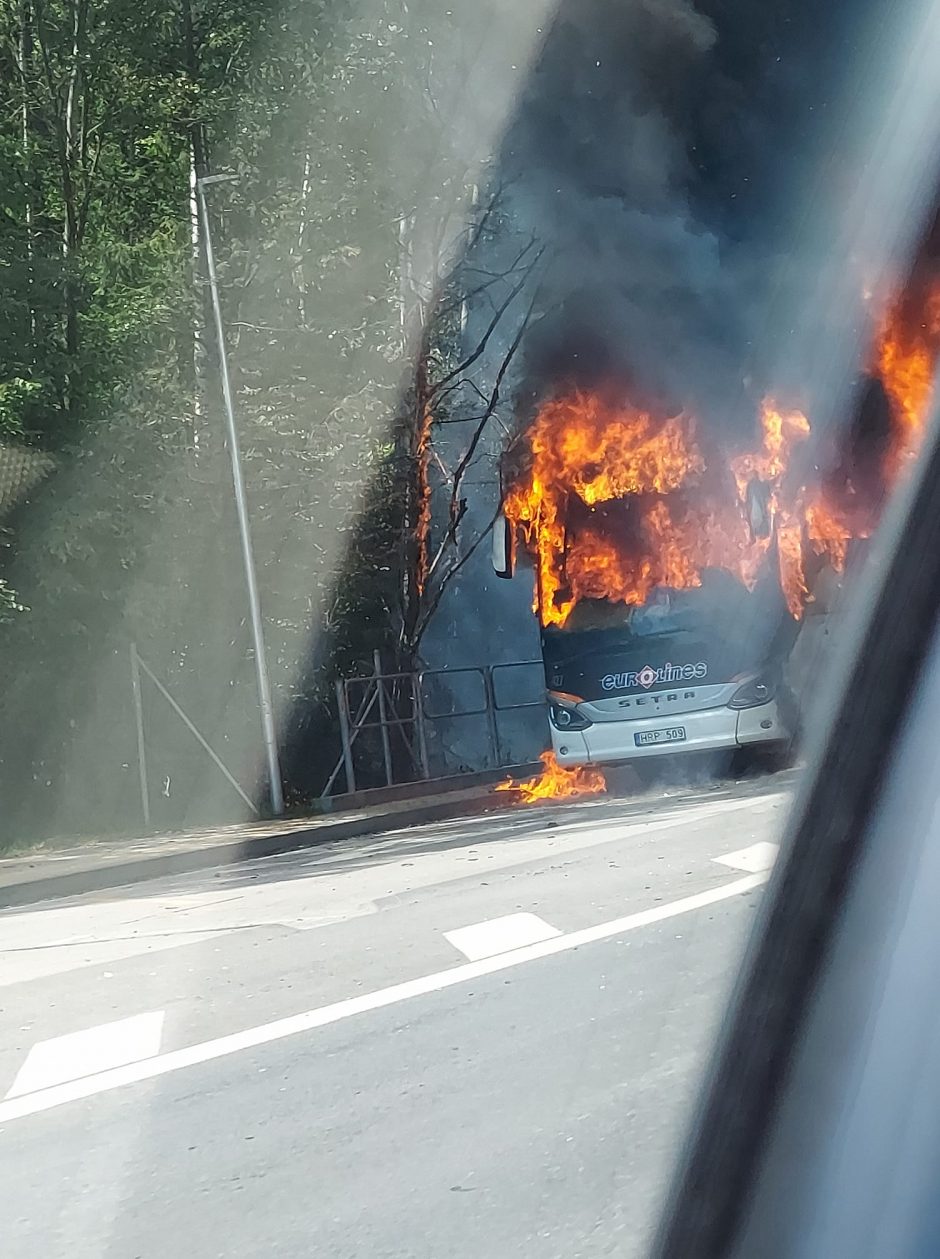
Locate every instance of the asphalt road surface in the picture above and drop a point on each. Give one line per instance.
(466, 1040)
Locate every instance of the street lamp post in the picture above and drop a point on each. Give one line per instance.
(241, 507)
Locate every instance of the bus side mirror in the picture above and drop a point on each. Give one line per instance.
(502, 547)
(759, 515)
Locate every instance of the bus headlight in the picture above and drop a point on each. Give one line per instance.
(754, 692)
(564, 718)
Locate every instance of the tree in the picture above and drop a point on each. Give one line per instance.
(459, 382)
(353, 178)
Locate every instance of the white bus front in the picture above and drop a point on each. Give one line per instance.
(689, 671)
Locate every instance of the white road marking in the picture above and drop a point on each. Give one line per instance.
(500, 935)
(266, 1033)
(755, 858)
(189, 910)
(89, 1053)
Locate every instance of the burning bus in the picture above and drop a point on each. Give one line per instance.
(657, 564)
(672, 575)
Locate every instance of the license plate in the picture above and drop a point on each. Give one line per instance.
(674, 734)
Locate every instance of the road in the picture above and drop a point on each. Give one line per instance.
(466, 1040)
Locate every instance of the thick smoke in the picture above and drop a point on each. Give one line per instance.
(660, 150)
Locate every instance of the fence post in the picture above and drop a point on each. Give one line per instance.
(141, 747)
(344, 731)
(417, 698)
(383, 717)
(489, 690)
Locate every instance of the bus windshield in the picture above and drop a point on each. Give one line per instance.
(720, 599)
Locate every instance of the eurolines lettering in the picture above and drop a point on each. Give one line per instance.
(648, 676)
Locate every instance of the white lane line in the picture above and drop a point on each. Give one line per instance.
(91, 1052)
(500, 935)
(755, 858)
(266, 1033)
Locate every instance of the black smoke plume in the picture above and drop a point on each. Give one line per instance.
(660, 149)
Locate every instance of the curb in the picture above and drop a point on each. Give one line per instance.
(139, 869)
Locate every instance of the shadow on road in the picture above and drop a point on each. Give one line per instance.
(674, 787)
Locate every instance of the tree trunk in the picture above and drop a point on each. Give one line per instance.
(415, 455)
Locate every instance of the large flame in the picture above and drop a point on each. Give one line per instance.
(781, 431)
(614, 504)
(556, 782)
(905, 359)
(583, 447)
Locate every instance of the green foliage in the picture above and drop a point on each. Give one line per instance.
(324, 111)
(14, 397)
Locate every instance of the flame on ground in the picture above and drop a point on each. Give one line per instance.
(556, 782)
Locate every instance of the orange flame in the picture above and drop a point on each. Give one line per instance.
(601, 474)
(583, 447)
(905, 359)
(781, 431)
(556, 782)
(422, 528)
(615, 502)
(830, 528)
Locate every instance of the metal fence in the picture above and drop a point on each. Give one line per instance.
(395, 716)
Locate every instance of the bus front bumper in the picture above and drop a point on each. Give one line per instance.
(711, 729)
